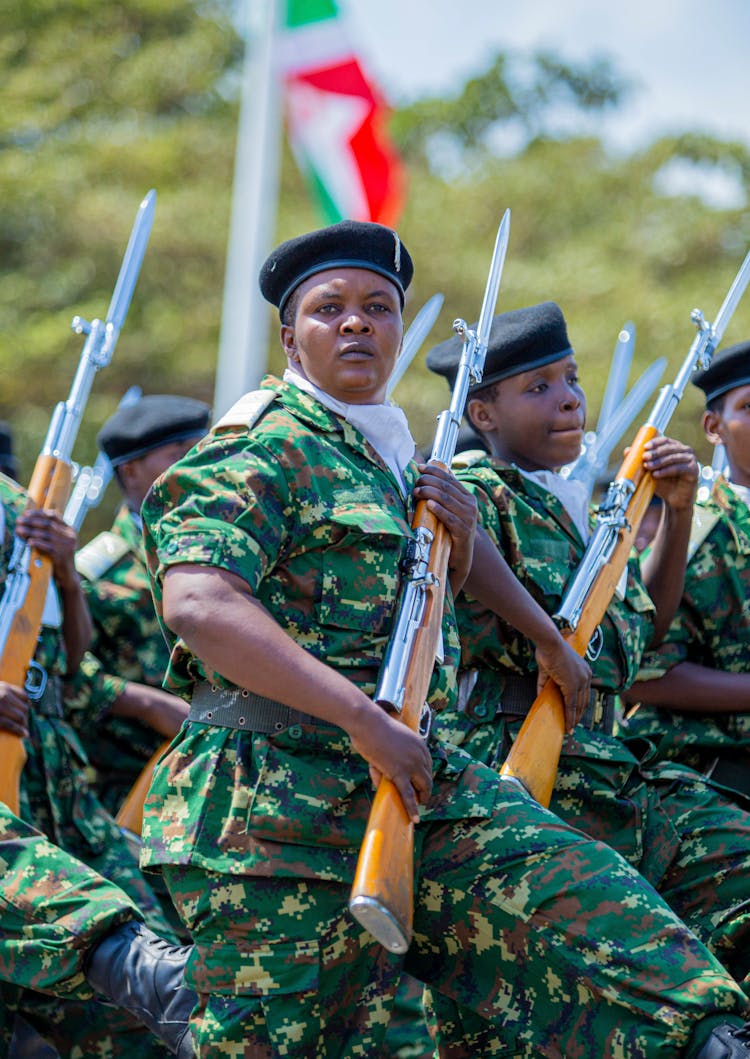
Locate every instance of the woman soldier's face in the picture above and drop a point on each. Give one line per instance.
(346, 334)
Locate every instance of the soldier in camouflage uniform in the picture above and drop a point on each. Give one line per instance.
(694, 690)
(54, 795)
(62, 926)
(115, 700)
(690, 843)
(274, 547)
(8, 458)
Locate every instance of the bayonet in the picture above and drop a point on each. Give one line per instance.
(417, 332)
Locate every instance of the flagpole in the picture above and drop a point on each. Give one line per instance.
(243, 341)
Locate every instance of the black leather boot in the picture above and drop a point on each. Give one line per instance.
(727, 1042)
(135, 969)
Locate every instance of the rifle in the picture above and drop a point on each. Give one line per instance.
(419, 329)
(30, 572)
(91, 482)
(593, 461)
(533, 758)
(130, 816)
(382, 893)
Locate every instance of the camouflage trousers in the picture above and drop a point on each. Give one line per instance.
(53, 908)
(718, 744)
(686, 838)
(547, 940)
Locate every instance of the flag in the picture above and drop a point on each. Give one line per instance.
(336, 117)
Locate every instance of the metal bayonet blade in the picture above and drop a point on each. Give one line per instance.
(493, 286)
(630, 406)
(418, 331)
(131, 262)
(731, 301)
(618, 374)
(594, 461)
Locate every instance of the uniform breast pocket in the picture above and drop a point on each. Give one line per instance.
(549, 564)
(360, 573)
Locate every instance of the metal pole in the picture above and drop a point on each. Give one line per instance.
(245, 315)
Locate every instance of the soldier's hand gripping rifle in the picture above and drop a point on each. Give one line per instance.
(534, 756)
(30, 572)
(130, 815)
(382, 894)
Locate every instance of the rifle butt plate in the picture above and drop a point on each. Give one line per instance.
(381, 923)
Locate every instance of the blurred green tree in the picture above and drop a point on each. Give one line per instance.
(103, 101)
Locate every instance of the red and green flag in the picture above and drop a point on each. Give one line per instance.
(336, 118)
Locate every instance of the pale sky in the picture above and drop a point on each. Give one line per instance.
(691, 58)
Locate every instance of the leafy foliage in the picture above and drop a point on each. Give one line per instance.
(103, 101)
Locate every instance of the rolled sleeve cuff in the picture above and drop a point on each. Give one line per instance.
(225, 547)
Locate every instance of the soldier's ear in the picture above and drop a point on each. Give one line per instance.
(712, 427)
(478, 415)
(288, 341)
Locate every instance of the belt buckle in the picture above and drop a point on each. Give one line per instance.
(35, 684)
(425, 721)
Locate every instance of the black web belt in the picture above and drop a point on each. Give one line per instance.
(242, 709)
(44, 691)
(519, 692)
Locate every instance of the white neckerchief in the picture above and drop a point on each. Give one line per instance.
(742, 492)
(384, 425)
(573, 496)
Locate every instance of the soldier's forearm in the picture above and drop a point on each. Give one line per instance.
(151, 706)
(690, 688)
(493, 583)
(77, 628)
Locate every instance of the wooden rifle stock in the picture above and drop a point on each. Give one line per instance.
(130, 816)
(534, 756)
(382, 895)
(49, 488)
(535, 753)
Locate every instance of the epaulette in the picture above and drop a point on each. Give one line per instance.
(703, 522)
(100, 555)
(247, 411)
(468, 458)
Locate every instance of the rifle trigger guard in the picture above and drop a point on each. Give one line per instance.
(425, 721)
(596, 643)
(410, 556)
(36, 681)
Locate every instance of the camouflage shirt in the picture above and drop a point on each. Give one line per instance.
(127, 645)
(712, 624)
(54, 795)
(303, 510)
(543, 548)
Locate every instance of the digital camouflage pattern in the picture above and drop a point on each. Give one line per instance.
(689, 842)
(52, 910)
(543, 547)
(711, 628)
(316, 486)
(56, 799)
(545, 934)
(127, 645)
(517, 916)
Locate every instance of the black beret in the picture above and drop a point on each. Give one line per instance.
(348, 244)
(149, 423)
(520, 340)
(729, 368)
(8, 460)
